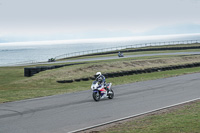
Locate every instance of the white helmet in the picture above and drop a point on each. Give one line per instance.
(98, 73)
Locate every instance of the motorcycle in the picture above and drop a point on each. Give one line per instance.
(120, 55)
(99, 92)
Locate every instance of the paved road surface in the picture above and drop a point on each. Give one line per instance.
(106, 58)
(128, 56)
(68, 112)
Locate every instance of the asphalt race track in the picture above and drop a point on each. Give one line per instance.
(69, 112)
(125, 56)
(129, 56)
(106, 58)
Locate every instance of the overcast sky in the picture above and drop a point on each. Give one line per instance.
(78, 19)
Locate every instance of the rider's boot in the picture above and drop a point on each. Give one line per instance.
(108, 89)
(109, 92)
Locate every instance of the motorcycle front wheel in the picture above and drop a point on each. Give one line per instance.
(96, 96)
(110, 96)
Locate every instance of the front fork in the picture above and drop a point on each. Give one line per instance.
(109, 86)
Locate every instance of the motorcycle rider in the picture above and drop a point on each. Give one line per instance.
(102, 80)
(120, 54)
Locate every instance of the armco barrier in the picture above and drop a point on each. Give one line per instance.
(131, 72)
(127, 47)
(135, 50)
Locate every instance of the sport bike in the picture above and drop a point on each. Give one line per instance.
(120, 55)
(100, 92)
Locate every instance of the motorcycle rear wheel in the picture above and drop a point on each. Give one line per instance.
(96, 96)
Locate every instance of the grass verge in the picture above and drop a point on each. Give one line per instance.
(19, 87)
(117, 65)
(179, 119)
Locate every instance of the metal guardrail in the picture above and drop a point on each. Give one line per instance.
(80, 53)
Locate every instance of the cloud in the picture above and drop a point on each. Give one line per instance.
(93, 17)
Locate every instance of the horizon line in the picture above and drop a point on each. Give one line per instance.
(93, 40)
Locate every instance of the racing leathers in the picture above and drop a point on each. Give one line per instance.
(102, 80)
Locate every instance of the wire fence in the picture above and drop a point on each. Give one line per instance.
(81, 53)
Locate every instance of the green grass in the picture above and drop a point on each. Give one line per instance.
(19, 87)
(14, 86)
(185, 119)
(89, 69)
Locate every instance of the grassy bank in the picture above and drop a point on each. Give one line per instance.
(89, 69)
(18, 87)
(181, 119)
(14, 86)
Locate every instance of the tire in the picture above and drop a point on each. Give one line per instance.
(96, 96)
(110, 96)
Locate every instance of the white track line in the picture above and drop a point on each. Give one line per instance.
(132, 116)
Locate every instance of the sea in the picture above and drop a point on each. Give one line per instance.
(13, 53)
